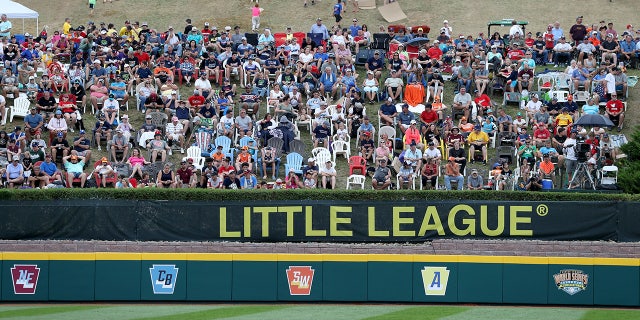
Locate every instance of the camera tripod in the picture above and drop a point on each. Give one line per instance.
(581, 176)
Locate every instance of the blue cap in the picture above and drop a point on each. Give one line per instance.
(60, 135)
(477, 127)
(58, 112)
(82, 132)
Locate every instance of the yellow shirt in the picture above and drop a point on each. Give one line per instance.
(65, 27)
(478, 136)
(564, 119)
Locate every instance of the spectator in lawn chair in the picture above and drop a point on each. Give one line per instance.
(175, 133)
(33, 122)
(382, 176)
(158, 147)
(74, 165)
(367, 146)
(103, 169)
(119, 143)
(249, 101)
(102, 129)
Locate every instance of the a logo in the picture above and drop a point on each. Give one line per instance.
(25, 278)
(434, 280)
(571, 281)
(300, 279)
(163, 278)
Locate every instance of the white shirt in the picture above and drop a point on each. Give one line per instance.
(611, 82)
(534, 107)
(202, 84)
(570, 152)
(174, 128)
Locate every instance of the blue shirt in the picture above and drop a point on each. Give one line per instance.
(354, 30)
(48, 168)
(33, 120)
(388, 109)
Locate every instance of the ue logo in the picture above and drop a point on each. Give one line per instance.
(25, 278)
(163, 278)
(300, 279)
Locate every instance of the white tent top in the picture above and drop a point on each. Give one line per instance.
(16, 10)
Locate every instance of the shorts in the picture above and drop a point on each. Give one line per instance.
(76, 174)
(82, 153)
(174, 136)
(91, 6)
(571, 165)
(380, 180)
(118, 95)
(338, 17)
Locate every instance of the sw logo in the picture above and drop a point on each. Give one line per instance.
(435, 280)
(571, 281)
(163, 278)
(300, 279)
(25, 278)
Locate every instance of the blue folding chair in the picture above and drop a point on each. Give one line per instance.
(317, 38)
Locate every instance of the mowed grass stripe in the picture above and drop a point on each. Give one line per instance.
(120, 312)
(422, 313)
(218, 313)
(322, 312)
(47, 312)
(603, 314)
(518, 313)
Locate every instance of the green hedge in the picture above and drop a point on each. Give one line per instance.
(318, 194)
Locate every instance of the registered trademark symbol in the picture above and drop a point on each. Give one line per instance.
(542, 210)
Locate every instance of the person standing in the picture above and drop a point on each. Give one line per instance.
(5, 27)
(92, 4)
(338, 9)
(255, 16)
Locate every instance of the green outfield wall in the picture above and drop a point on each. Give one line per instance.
(319, 277)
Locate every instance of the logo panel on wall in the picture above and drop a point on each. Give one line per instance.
(571, 281)
(25, 278)
(435, 280)
(300, 279)
(163, 278)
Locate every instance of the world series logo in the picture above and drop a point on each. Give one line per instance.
(571, 281)
(25, 278)
(163, 278)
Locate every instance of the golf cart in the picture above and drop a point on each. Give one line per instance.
(505, 23)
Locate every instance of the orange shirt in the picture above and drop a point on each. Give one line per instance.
(547, 167)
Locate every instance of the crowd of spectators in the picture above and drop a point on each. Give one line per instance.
(214, 82)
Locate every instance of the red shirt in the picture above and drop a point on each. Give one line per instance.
(224, 169)
(548, 40)
(542, 134)
(434, 52)
(615, 106)
(142, 56)
(184, 174)
(515, 55)
(429, 116)
(529, 42)
(483, 100)
(196, 101)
